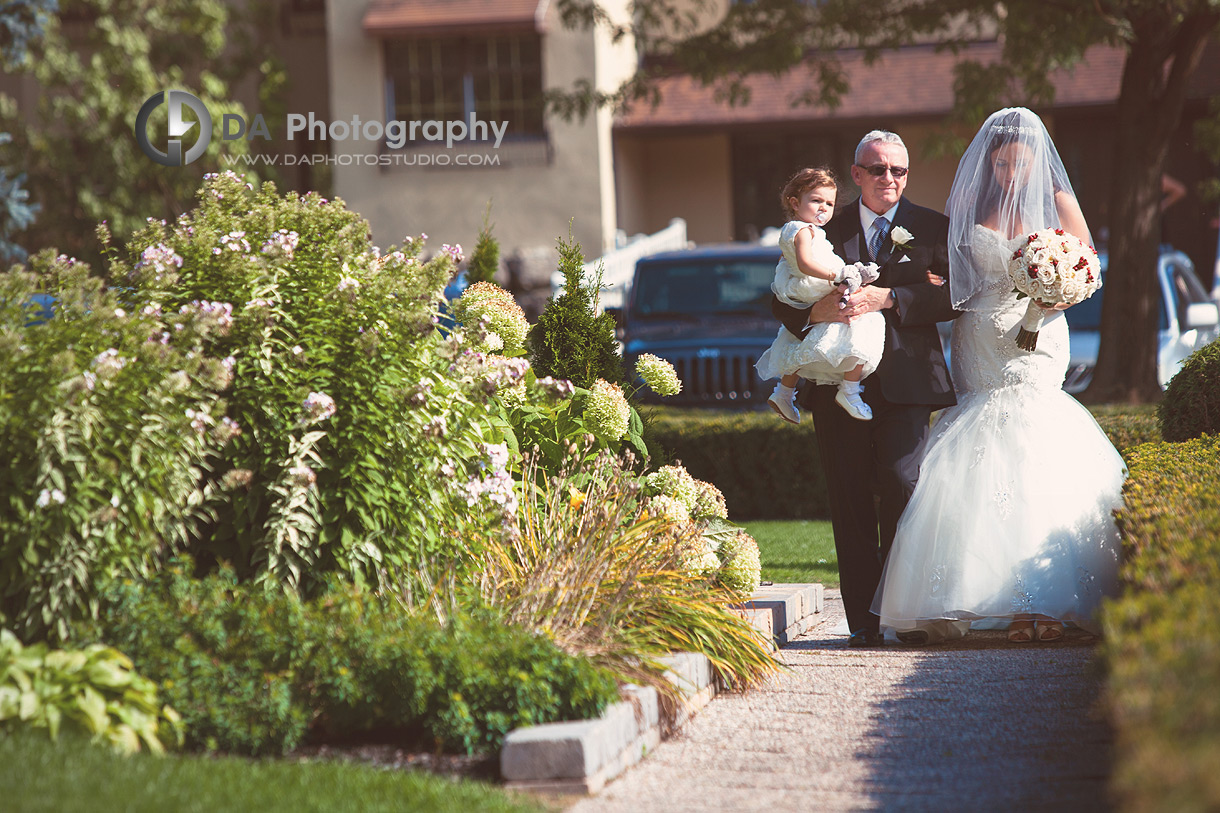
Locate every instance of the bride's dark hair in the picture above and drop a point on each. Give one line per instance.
(1007, 129)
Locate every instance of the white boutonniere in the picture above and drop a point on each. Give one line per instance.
(901, 238)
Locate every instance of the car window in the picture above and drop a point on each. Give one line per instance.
(1187, 289)
(702, 287)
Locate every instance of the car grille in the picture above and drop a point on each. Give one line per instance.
(716, 378)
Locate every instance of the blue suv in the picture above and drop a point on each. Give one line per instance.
(707, 311)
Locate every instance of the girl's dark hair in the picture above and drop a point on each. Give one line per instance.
(802, 182)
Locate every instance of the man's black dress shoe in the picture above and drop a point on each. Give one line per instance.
(865, 639)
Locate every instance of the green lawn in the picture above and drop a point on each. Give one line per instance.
(74, 776)
(799, 551)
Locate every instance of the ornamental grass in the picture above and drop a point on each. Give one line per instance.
(603, 577)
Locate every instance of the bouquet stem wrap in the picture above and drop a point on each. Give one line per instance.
(1027, 336)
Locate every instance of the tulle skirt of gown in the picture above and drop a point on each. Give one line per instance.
(1012, 513)
(827, 351)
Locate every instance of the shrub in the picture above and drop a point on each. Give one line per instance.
(763, 466)
(358, 416)
(485, 260)
(255, 671)
(1192, 401)
(226, 656)
(571, 340)
(1127, 426)
(770, 469)
(111, 413)
(92, 689)
(1162, 642)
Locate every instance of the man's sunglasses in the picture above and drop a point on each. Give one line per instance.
(876, 170)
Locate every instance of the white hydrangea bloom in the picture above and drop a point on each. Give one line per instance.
(658, 374)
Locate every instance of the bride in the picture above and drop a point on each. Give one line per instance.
(1011, 519)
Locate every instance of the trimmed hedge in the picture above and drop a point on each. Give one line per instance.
(1192, 401)
(764, 466)
(769, 469)
(255, 672)
(1163, 635)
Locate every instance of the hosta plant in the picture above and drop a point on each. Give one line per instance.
(93, 689)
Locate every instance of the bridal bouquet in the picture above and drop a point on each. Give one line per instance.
(1052, 267)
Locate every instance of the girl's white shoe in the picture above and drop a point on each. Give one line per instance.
(783, 401)
(854, 404)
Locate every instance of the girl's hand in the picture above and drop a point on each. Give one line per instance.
(935, 279)
(1062, 306)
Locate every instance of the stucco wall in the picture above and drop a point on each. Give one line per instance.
(677, 176)
(533, 195)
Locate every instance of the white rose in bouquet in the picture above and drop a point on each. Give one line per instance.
(1052, 268)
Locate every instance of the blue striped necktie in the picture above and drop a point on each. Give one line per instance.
(881, 229)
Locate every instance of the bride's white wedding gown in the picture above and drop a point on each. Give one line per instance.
(1012, 511)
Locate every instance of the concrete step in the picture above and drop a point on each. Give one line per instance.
(791, 607)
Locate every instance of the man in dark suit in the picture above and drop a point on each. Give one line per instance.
(880, 456)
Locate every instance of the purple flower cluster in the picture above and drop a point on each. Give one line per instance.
(108, 363)
(318, 407)
(219, 314)
(557, 387)
(233, 241)
(158, 260)
(226, 430)
(303, 476)
(454, 251)
(281, 243)
(497, 485)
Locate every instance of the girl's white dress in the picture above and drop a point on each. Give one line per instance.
(829, 349)
(1012, 512)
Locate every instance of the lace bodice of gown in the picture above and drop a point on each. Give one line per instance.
(985, 355)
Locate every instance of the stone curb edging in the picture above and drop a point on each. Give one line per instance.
(581, 756)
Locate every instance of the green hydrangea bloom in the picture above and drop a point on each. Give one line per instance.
(709, 502)
(742, 569)
(697, 557)
(669, 508)
(658, 374)
(506, 322)
(675, 482)
(607, 409)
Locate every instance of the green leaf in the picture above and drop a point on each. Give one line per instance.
(93, 706)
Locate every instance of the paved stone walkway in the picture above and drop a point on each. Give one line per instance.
(978, 725)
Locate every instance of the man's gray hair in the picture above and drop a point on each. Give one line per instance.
(882, 136)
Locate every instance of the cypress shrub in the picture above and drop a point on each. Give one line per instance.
(571, 340)
(485, 260)
(1192, 400)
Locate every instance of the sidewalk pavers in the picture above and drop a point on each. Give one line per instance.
(976, 725)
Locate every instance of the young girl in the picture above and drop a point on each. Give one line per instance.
(830, 352)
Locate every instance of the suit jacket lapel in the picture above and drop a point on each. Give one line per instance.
(854, 249)
(900, 219)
